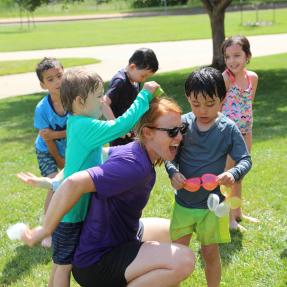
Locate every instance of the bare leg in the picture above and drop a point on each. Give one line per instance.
(235, 214)
(156, 229)
(160, 264)
(62, 276)
(211, 256)
(53, 271)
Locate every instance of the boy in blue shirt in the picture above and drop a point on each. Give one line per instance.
(50, 120)
(125, 85)
(210, 137)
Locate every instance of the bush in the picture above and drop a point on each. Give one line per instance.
(156, 3)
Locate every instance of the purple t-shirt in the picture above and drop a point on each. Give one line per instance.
(123, 185)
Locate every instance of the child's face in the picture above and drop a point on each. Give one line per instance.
(52, 80)
(92, 107)
(138, 76)
(235, 58)
(204, 108)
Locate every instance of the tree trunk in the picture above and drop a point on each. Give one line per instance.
(218, 36)
(216, 12)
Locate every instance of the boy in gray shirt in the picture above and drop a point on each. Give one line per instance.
(210, 137)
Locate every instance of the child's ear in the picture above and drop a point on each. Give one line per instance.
(42, 85)
(133, 66)
(79, 101)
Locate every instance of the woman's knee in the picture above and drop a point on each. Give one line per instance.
(184, 262)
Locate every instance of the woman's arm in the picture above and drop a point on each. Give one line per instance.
(62, 201)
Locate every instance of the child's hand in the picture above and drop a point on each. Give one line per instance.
(46, 134)
(151, 86)
(33, 180)
(32, 236)
(225, 178)
(177, 180)
(60, 162)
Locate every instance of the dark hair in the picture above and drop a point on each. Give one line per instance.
(144, 59)
(207, 81)
(78, 82)
(242, 41)
(46, 64)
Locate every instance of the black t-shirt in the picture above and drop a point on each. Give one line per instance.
(121, 92)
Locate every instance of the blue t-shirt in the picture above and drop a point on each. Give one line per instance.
(46, 117)
(123, 184)
(206, 152)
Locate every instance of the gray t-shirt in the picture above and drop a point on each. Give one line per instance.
(206, 152)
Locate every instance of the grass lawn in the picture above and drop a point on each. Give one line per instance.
(25, 66)
(255, 258)
(133, 30)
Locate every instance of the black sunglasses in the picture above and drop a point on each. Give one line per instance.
(173, 132)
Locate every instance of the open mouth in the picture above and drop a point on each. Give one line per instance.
(173, 148)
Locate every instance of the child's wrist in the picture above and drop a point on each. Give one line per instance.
(147, 94)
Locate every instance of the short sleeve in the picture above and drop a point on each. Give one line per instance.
(115, 89)
(40, 118)
(114, 176)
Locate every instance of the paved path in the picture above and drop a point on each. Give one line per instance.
(171, 55)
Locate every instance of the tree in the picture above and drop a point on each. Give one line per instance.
(216, 12)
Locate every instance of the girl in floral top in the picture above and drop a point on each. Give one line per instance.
(241, 86)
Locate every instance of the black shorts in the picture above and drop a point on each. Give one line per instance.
(110, 270)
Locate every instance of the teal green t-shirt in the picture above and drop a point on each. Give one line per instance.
(85, 138)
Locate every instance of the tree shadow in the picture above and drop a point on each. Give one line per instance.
(22, 263)
(270, 108)
(16, 118)
(283, 254)
(228, 250)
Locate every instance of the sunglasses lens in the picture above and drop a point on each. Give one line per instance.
(183, 129)
(192, 184)
(209, 181)
(173, 132)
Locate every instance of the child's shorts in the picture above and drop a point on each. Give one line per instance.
(65, 239)
(208, 228)
(46, 162)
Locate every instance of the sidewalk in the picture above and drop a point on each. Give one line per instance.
(171, 55)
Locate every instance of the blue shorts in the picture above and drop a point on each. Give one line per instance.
(46, 162)
(65, 239)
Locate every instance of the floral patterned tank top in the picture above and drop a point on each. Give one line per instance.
(238, 104)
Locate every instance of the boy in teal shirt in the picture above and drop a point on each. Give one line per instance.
(82, 96)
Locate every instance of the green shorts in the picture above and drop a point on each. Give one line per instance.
(209, 228)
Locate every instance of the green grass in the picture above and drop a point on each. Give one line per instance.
(255, 258)
(133, 30)
(25, 66)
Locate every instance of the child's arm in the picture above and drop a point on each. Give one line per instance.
(240, 155)
(52, 148)
(96, 132)
(41, 182)
(49, 134)
(254, 81)
(226, 80)
(177, 180)
(62, 201)
(106, 108)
